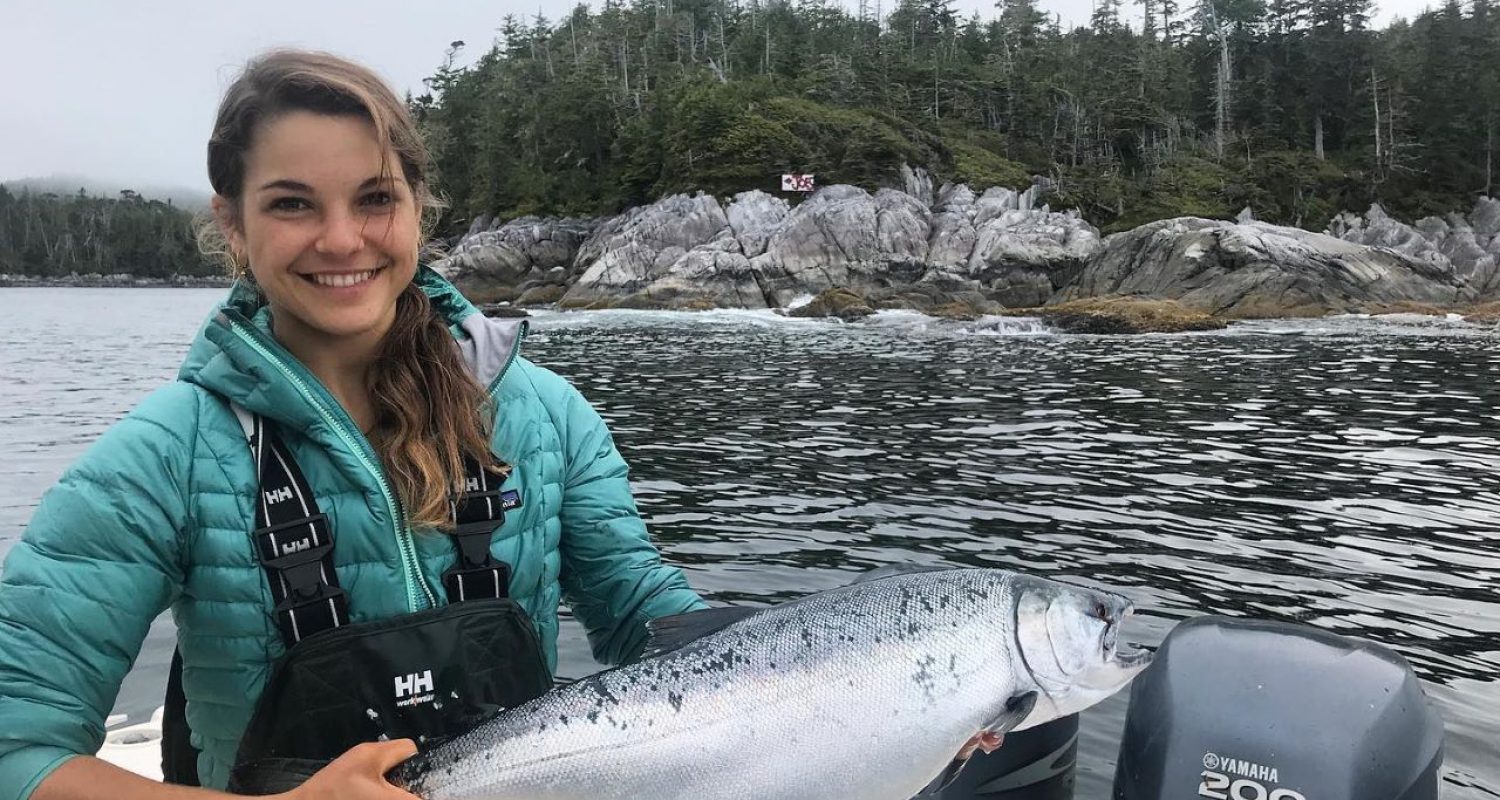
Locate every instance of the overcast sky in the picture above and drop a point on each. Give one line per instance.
(125, 91)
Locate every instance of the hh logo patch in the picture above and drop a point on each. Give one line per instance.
(278, 496)
(414, 689)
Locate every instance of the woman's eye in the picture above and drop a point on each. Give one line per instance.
(378, 199)
(289, 204)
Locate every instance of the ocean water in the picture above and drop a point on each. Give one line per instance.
(1341, 473)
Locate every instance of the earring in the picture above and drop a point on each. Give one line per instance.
(239, 266)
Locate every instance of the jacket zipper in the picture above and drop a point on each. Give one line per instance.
(411, 569)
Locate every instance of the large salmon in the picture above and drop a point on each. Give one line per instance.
(867, 691)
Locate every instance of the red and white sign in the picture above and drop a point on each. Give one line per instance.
(792, 182)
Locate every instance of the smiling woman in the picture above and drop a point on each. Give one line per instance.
(414, 502)
(331, 251)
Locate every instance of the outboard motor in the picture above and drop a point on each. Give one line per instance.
(1034, 764)
(1235, 709)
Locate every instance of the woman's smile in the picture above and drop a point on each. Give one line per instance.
(343, 280)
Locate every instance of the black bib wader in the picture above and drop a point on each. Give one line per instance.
(427, 676)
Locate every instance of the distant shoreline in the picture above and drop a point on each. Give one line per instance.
(114, 282)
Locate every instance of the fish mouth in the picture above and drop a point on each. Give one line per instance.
(1130, 656)
(1122, 654)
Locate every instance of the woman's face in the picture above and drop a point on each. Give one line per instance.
(330, 241)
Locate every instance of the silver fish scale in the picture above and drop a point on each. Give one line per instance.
(866, 691)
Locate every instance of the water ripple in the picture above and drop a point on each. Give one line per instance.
(1343, 473)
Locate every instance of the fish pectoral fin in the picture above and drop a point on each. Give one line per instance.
(1011, 714)
(892, 570)
(943, 780)
(674, 632)
(1015, 710)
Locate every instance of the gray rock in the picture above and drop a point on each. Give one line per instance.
(955, 250)
(753, 217)
(714, 275)
(951, 234)
(1469, 247)
(916, 183)
(830, 240)
(1001, 244)
(1259, 270)
(1485, 218)
(1022, 256)
(901, 227)
(629, 253)
(521, 249)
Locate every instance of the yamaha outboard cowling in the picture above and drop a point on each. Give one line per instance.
(1034, 764)
(1236, 709)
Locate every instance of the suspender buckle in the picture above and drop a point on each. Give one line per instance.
(473, 542)
(477, 575)
(477, 583)
(320, 607)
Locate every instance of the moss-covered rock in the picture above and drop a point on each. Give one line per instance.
(1425, 309)
(585, 303)
(1483, 314)
(957, 310)
(481, 292)
(836, 302)
(1122, 315)
(502, 310)
(543, 295)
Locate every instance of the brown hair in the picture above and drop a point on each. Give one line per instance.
(429, 411)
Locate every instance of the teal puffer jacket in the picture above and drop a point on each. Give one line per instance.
(157, 514)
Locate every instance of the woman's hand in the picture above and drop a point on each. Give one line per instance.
(359, 774)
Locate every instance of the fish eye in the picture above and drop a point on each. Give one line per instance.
(1101, 611)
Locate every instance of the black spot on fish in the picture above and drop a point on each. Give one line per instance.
(593, 715)
(675, 699)
(604, 694)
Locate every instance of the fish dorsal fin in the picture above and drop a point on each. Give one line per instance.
(672, 633)
(892, 570)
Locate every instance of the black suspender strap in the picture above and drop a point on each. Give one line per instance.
(478, 509)
(294, 543)
(292, 540)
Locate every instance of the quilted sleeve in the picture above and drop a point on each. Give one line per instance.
(612, 575)
(99, 560)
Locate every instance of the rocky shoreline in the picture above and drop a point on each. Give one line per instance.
(952, 252)
(844, 252)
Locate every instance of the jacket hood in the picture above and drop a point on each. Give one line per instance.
(235, 356)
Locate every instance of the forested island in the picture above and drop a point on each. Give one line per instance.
(1295, 109)
(46, 237)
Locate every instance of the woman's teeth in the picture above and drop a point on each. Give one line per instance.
(343, 279)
